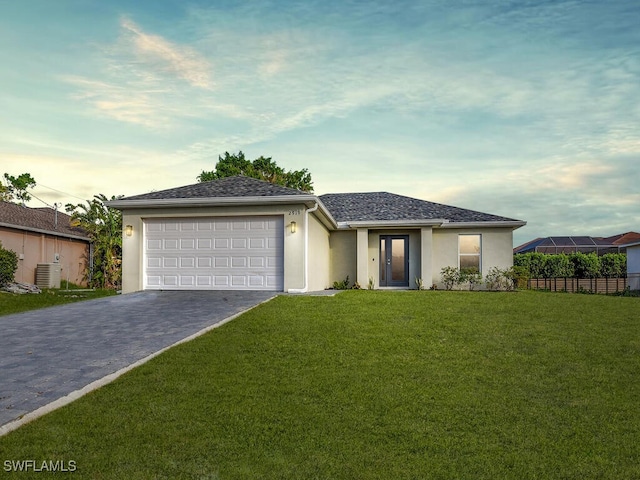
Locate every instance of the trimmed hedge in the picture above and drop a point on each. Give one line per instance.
(578, 265)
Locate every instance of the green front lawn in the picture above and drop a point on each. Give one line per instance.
(386, 385)
(15, 303)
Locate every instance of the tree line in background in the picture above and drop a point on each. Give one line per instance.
(577, 265)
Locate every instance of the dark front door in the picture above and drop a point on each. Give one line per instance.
(394, 260)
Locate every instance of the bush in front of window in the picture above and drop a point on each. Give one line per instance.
(450, 277)
(470, 275)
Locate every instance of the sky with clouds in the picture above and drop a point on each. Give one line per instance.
(526, 109)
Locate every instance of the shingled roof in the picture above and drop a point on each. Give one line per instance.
(238, 186)
(343, 207)
(384, 206)
(41, 220)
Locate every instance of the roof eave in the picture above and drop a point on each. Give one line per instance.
(495, 223)
(211, 201)
(46, 232)
(386, 224)
(627, 245)
(329, 221)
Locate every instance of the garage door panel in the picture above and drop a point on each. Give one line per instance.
(221, 243)
(153, 244)
(170, 262)
(245, 253)
(204, 243)
(238, 280)
(257, 243)
(257, 262)
(187, 262)
(239, 243)
(187, 243)
(205, 262)
(154, 262)
(170, 280)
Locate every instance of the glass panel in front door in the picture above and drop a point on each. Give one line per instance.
(397, 260)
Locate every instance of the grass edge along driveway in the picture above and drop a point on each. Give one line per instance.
(371, 385)
(17, 303)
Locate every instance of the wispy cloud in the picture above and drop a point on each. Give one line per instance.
(158, 53)
(145, 80)
(119, 102)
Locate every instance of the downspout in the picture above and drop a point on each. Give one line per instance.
(306, 252)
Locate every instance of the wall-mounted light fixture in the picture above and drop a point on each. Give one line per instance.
(293, 227)
(128, 230)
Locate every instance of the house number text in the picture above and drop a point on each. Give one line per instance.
(295, 212)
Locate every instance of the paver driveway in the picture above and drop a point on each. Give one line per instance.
(47, 354)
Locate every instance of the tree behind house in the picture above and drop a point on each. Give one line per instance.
(262, 168)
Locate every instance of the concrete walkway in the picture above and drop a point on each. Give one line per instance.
(48, 354)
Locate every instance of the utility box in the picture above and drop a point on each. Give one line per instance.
(48, 275)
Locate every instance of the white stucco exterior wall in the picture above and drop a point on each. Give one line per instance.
(319, 255)
(343, 255)
(426, 256)
(496, 245)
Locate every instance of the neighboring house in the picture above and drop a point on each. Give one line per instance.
(42, 235)
(243, 233)
(599, 245)
(633, 265)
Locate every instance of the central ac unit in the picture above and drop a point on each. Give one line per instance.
(48, 275)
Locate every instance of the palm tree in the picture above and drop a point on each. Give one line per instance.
(104, 227)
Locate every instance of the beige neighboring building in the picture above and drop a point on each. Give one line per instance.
(42, 235)
(247, 234)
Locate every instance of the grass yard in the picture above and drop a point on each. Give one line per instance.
(14, 303)
(371, 385)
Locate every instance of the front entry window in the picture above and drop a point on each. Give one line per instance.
(394, 260)
(470, 252)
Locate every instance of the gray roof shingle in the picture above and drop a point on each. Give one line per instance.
(238, 186)
(344, 207)
(42, 219)
(384, 206)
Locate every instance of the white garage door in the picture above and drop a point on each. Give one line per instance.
(232, 253)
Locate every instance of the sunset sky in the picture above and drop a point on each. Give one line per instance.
(526, 109)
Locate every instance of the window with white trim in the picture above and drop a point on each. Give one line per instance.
(470, 252)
